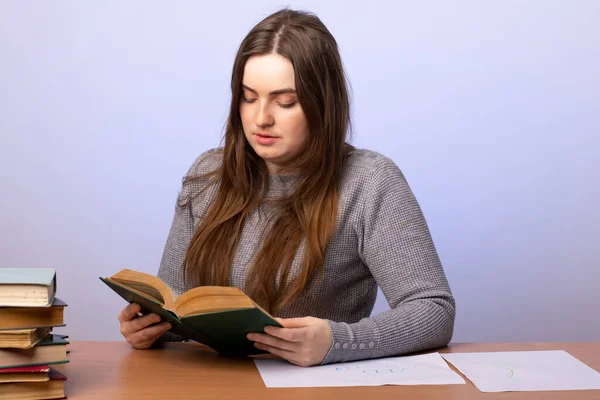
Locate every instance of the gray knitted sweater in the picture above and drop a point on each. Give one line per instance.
(381, 239)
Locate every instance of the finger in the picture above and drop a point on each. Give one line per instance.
(129, 312)
(137, 324)
(290, 334)
(291, 356)
(146, 337)
(273, 341)
(145, 321)
(295, 322)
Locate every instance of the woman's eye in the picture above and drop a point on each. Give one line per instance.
(245, 100)
(290, 105)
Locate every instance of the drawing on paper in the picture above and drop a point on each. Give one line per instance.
(377, 369)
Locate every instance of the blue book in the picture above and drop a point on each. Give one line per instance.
(27, 287)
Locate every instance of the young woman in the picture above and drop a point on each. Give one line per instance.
(302, 222)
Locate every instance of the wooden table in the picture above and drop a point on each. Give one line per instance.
(113, 370)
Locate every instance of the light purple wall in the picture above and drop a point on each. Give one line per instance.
(491, 109)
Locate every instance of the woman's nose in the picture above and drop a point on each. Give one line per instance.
(263, 117)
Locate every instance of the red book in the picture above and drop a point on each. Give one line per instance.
(25, 370)
(56, 376)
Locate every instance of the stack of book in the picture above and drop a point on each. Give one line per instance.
(29, 309)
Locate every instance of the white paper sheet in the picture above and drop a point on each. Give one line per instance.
(428, 369)
(525, 371)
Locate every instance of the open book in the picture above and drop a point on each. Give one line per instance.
(217, 316)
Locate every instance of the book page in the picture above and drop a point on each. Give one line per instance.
(428, 369)
(525, 371)
(145, 283)
(203, 299)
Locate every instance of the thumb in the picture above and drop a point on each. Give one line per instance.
(294, 322)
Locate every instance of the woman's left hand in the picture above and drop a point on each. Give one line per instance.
(302, 341)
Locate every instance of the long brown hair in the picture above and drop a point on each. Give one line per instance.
(309, 214)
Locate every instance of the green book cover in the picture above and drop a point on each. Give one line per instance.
(54, 339)
(223, 331)
(27, 276)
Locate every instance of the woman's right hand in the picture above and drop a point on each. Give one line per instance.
(140, 331)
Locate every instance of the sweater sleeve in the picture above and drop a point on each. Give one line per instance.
(395, 244)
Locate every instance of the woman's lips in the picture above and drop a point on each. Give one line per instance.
(265, 140)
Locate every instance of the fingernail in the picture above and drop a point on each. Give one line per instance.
(167, 325)
(155, 318)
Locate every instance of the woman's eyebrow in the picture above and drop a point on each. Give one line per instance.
(274, 92)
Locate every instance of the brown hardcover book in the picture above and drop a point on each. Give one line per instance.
(51, 350)
(33, 317)
(53, 388)
(22, 338)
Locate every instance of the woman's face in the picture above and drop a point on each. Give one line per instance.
(273, 120)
